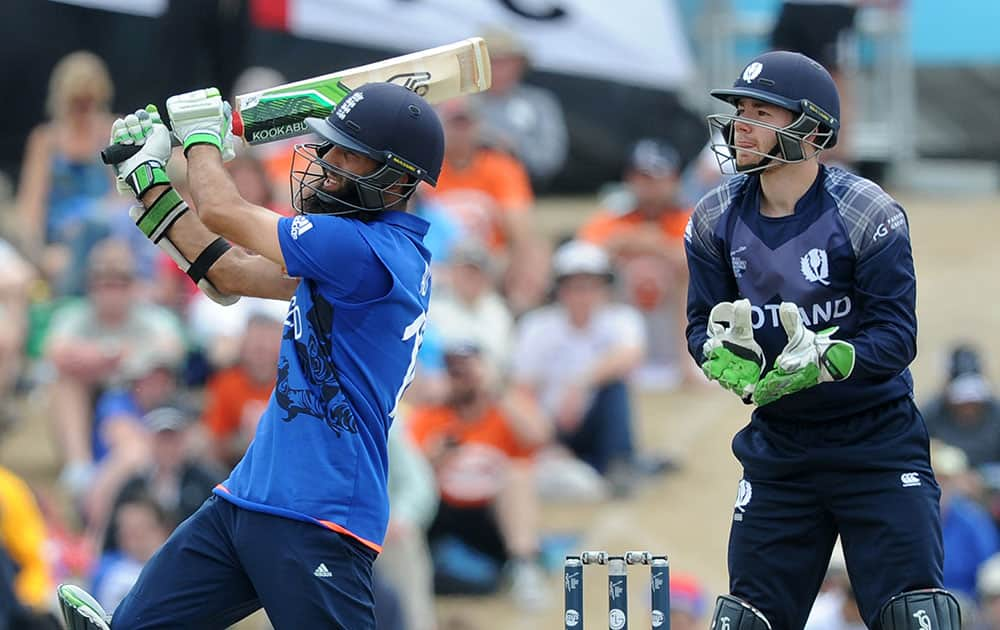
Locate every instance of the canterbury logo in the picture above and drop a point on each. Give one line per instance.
(910, 479)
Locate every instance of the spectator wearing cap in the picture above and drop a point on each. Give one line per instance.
(988, 594)
(468, 306)
(91, 342)
(481, 443)
(968, 532)
(575, 355)
(966, 414)
(525, 119)
(642, 227)
(173, 477)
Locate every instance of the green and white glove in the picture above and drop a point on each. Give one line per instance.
(145, 169)
(202, 117)
(808, 359)
(732, 357)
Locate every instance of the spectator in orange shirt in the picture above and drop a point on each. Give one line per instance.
(236, 396)
(480, 445)
(489, 192)
(642, 228)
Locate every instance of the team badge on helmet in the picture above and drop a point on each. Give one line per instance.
(385, 122)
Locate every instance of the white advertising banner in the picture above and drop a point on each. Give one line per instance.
(638, 42)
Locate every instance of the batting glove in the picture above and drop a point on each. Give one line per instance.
(145, 169)
(808, 359)
(732, 356)
(202, 117)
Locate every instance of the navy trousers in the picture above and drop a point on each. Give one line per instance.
(224, 563)
(867, 478)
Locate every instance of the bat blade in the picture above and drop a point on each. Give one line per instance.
(436, 74)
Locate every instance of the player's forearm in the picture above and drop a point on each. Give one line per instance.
(235, 272)
(213, 193)
(886, 296)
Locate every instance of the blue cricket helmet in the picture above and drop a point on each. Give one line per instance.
(385, 122)
(794, 82)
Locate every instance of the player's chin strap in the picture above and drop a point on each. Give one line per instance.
(156, 221)
(926, 609)
(732, 613)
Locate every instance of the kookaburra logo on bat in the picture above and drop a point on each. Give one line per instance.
(412, 81)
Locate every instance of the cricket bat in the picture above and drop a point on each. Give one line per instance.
(436, 74)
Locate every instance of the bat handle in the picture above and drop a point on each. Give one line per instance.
(118, 153)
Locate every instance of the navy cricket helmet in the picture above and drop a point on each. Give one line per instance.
(385, 122)
(794, 82)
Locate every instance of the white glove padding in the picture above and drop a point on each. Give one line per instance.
(202, 117)
(808, 359)
(805, 348)
(144, 128)
(732, 357)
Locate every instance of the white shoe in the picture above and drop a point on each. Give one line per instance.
(80, 610)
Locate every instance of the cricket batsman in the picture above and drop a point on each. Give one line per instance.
(802, 302)
(301, 518)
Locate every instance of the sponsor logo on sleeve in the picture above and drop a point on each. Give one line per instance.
(300, 225)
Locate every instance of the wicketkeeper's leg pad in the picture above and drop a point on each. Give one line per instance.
(732, 613)
(926, 608)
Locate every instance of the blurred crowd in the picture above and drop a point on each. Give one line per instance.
(524, 393)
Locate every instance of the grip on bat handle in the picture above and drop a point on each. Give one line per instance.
(118, 153)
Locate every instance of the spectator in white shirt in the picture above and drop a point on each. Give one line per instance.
(576, 354)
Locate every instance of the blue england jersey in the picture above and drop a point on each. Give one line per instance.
(348, 352)
(843, 257)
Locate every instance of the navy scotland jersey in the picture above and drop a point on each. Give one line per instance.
(843, 257)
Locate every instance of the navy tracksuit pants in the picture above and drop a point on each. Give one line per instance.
(867, 478)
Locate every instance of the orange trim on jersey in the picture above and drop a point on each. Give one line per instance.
(341, 530)
(329, 525)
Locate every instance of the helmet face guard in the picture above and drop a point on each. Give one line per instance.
(789, 148)
(387, 188)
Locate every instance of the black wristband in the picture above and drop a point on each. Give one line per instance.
(207, 258)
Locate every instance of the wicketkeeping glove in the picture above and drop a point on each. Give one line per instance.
(145, 169)
(808, 359)
(202, 117)
(732, 357)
